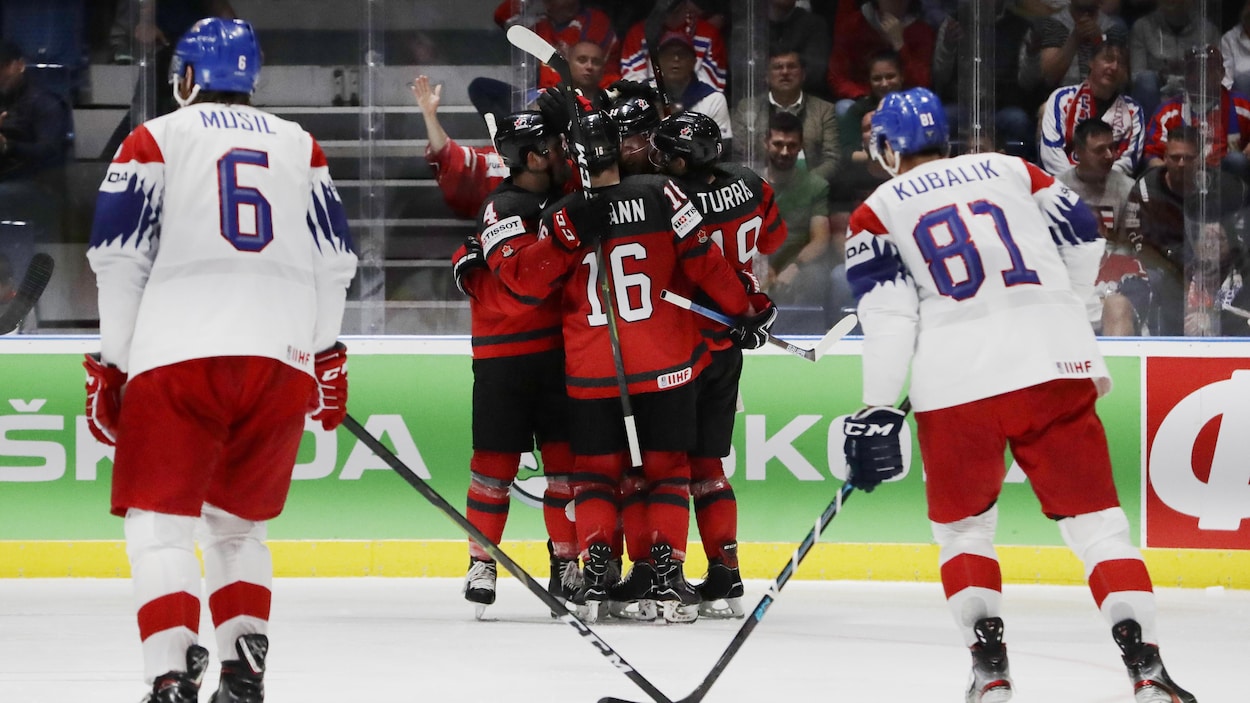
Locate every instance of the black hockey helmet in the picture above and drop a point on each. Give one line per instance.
(519, 134)
(691, 135)
(602, 138)
(635, 116)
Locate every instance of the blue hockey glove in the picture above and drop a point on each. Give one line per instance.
(873, 450)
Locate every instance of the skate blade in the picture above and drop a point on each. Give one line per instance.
(479, 611)
(1156, 694)
(638, 611)
(722, 609)
(675, 612)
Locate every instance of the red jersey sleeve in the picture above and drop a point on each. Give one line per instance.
(466, 175)
(774, 233)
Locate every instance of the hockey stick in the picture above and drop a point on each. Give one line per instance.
(774, 591)
(38, 273)
(838, 331)
(652, 30)
(526, 40)
(497, 553)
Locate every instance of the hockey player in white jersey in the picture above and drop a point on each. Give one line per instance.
(222, 256)
(974, 272)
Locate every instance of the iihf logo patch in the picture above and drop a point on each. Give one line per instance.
(686, 132)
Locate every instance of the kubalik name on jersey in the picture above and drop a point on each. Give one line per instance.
(725, 198)
(933, 180)
(231, 119)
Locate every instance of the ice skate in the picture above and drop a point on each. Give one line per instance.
(592, 597)
(242, 679)
(722, 590)
(565, 578)
(479, 585)
(631, 599)
(181, 686)
(678, 600)
(1151, 683)
(990, 679)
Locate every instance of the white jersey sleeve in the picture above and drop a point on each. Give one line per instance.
(218, 232)
(973, 258)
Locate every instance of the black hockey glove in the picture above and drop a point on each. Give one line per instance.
(634, 89)
(581, 223)
(873, 450)
(751, 332)
(468, 257)
(555, 111)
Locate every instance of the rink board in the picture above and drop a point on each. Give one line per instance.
(1176, 422)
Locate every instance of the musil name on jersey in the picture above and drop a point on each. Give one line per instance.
(674, 379)
(231, 119)
(725, 198)
(933, 180)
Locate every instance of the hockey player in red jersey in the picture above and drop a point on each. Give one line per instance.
(465, 174)
(740, 214)
(974, 273)
(627, 243)
(518, 359)
(222, 255)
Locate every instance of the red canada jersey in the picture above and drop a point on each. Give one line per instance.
(740, 214)
(503, 323)
(656, 241)
(466, 175)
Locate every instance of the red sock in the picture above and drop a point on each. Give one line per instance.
(715, 507)
(634, 515)
(668, 503)
(487, 504)
(558, 468)
(595, 481)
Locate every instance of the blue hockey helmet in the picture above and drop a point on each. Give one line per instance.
(223, 54)
(910, 121)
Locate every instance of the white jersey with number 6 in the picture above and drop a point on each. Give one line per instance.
(218, 232)
(975, 271)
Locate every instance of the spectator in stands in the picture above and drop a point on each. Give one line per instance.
(857, 177)
(711, 60)
(566, 23)
(50, 33)
(1122, 284)
(1205, 103)
(686, 91)
(1167, 213)
(586, 65)
(1159, 42)
(153, 36)
(466, 175)
(798, 273)
(1099, 97)
(879, 25)
(796, 28)
(885, 75)
(1065, 43)
(34, 145)
(786, 94)
(1235, 46)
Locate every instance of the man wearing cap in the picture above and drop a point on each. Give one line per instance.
(685, 90)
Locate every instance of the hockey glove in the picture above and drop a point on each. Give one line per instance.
(555, 111)
(751, 332)
(467, 258)
(580, 223)
(634, 89)
(755, 294)
(104, 398)
(331, 371)
(873, 450)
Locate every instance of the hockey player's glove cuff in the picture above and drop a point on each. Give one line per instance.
(104, 398)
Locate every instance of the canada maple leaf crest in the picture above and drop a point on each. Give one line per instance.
(686, 133)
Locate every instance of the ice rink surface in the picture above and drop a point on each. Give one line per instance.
(373, 639)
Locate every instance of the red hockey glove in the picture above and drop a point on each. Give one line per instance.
(755, 295)
(104, 398)
(331, 371)
(580, 223)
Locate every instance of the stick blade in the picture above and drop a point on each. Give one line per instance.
(526, 40)
(837, 332)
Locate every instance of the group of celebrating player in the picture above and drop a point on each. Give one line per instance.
(568, 321)
(971, 273)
